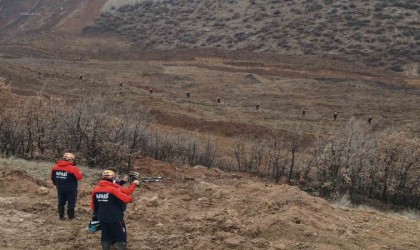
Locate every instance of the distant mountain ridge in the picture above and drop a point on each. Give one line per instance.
(378, 33)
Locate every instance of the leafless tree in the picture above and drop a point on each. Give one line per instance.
(276, 156)
(248, 154)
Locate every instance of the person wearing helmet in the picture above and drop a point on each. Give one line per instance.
(117, 180)
(65, 176)
(108, 205)
(121, 182)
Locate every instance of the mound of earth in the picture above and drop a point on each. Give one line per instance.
(16, 182)
(198, 208)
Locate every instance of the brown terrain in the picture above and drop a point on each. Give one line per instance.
(45, 47)
(378, 33)
(195, 208)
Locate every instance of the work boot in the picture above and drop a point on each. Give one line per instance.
(61, 212)
(70, 213)
(121, 245)
(106, 245)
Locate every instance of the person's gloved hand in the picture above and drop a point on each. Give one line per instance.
(134, 173)
(137, 182)
(133, 176)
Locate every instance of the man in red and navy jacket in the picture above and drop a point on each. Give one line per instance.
(108, 205)
(65, 176)
(121, 182)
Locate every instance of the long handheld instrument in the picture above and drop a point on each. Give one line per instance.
(132, 176)
(151, 179)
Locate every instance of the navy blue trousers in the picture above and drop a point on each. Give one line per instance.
(114, 232)
(69, 197)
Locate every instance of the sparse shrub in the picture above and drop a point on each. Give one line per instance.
(382, 16)
(314, 7)
(411, 5)
(189, 38)
(296, 11)
(235, 16)
(214, 39)
(283, 43)
(317, 30)
(357, 36)
(309, 20)
(219, 23)
(308, 48)
(397, 67)
(241, 36)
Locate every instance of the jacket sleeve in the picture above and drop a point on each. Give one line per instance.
(52, 177)
(129, 190)
(77, 173)
(122, 196)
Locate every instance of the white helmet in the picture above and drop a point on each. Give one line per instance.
(108, 175)
(69, 157)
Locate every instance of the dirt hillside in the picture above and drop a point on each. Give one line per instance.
(210, 49)
(195, 208)
(36, 17)
(379, 33)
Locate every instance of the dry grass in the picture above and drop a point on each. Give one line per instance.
(110, 4)
(282, 90)
(345, 203)
(42, 170)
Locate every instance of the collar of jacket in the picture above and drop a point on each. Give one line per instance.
(63, 163)
(108, 183)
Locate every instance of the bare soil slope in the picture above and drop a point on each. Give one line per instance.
(35, 17)
(196, 208)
